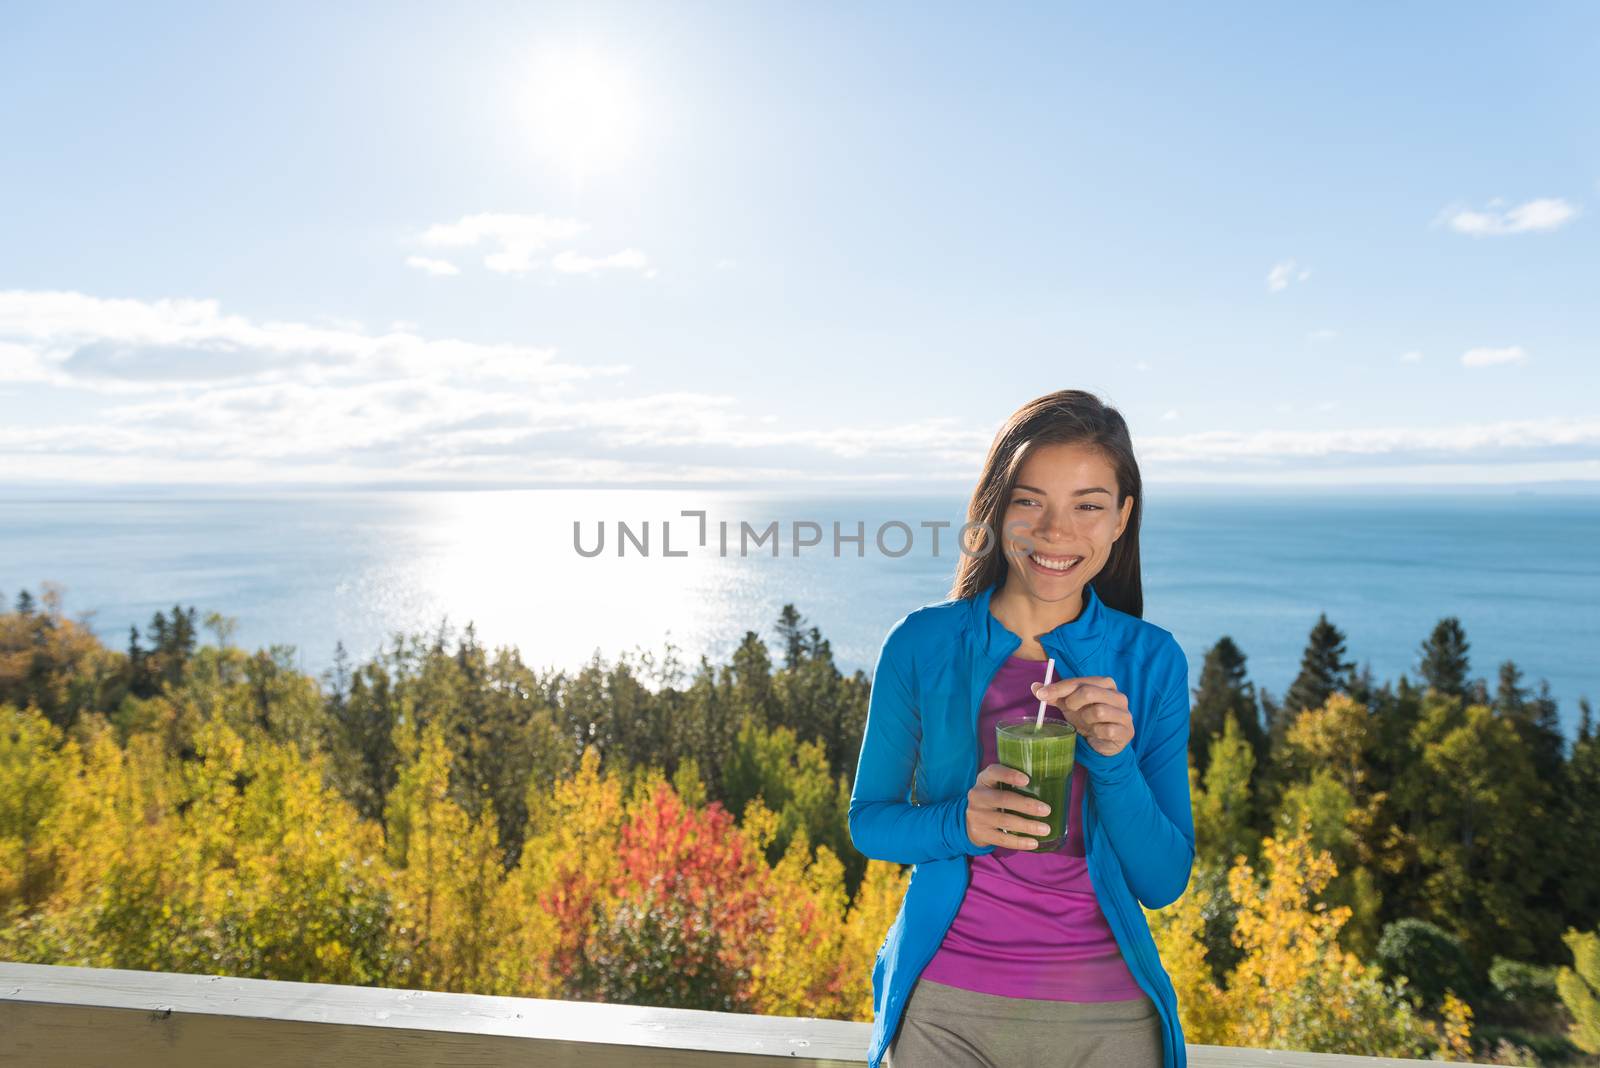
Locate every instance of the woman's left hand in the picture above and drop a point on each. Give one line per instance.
(1094, 707)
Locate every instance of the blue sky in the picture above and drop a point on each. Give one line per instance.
(806, 243)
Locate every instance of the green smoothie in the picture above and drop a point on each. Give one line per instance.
(1045, 754)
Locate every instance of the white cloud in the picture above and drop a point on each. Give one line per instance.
(575, 263)
(1322, 335)
(1141, 366)
(519, 244)
(119, 346)
(1535, 216)
(1489, 357)
(518, 237)
(1505, 441)
(181, 390)
(177, 390)
(1411, 357)
(441, 267)
(1282, 274)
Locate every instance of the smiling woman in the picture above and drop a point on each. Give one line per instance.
(583, 109)
(1003, 949)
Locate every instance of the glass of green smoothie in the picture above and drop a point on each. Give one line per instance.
(1045, 754)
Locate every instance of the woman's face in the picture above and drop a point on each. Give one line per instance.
(1064, 505)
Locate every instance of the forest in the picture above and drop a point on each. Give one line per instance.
(1404, 869)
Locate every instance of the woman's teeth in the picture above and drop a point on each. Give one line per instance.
(1065, 563)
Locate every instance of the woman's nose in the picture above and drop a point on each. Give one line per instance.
(1050, 527)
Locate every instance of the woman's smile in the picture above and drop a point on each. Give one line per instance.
(1053, 566)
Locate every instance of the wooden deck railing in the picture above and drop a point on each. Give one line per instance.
(56, 1017)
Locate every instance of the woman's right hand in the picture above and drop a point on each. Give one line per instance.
(997, 816)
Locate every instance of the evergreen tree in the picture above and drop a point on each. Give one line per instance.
(1509, 694)
(1224, 690)
(1580, 835)
(794, 642)
(1536, 719)
(361, 728)
(24, 604)
(1444, 658)
(1361, 685)
(1542, 731)
(141, 680)
(750, 675)
(336, 677)
(1323, 669)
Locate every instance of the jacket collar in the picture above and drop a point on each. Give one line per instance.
(1074, 641)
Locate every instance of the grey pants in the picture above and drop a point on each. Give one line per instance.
(948, 1027)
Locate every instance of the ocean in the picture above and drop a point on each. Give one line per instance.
(310, 568)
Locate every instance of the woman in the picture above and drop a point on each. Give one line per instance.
(1002, 955)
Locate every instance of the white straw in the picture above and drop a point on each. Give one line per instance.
(1049, 670)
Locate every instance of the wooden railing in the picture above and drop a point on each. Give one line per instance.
(55, 1017)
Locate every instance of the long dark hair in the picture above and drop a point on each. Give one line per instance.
(1073, 417)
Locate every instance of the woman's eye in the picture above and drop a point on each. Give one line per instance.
(1096, 507)
(1024, 500)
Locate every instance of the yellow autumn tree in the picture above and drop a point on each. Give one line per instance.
(448, 876)
(1325, 753)
(1579, 988)
(568, 863)
(237, 861)
(877, 903)
(799, 969)
(1178, 932)
(288, 879)
(33, 771)
(118, 896)
(1295, 988)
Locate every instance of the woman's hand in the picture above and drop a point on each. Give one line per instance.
(1094, 707)
(990, 808)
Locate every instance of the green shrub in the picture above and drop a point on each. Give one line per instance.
(1527, 991)
(1430, 957)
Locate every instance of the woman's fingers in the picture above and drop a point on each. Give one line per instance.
(1001, 817)
(995, 774)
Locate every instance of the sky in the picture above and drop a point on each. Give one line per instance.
(795, 245)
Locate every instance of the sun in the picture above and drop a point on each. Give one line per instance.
(583, 110)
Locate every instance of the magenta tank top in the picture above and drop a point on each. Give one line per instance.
(1030, 925)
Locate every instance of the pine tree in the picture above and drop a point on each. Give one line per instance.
(1509, 694)
(1224, 690)
(1580, 836)
(794, 642)
(1444, 658)
(1323, 669)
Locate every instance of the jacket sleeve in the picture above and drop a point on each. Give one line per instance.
(1142, 797)
(884, 825)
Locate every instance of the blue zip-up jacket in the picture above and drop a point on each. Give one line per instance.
(922, 729)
